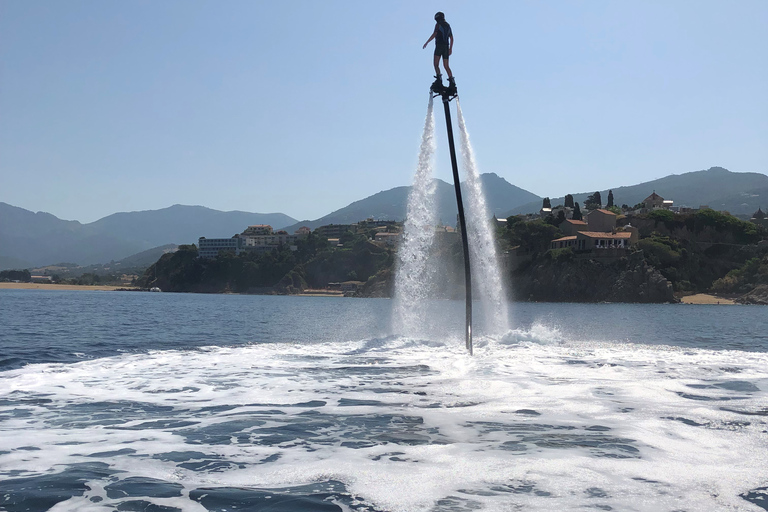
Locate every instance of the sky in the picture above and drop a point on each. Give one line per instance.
(302, 107)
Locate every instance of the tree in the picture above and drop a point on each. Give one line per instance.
(593, 202)
(547, 203)
(568, 201)
(577, 212)
(534, 236)
(16, 275)
(560, 217)
(610, 199)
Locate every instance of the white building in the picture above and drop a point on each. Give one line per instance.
(210, 247)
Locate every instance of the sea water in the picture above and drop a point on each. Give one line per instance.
(162, 402)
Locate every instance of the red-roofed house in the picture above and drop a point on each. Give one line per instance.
(570, 227)
(601, 220)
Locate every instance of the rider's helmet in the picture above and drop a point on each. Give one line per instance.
(439, 16)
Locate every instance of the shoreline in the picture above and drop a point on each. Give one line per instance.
(696, 299)
(66, 287)
(706, 298)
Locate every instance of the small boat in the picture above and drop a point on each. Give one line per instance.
(155, 289)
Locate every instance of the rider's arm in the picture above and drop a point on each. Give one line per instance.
(434, 34)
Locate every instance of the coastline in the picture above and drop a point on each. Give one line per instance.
(698, 298)
(67, 287)
(706, 298)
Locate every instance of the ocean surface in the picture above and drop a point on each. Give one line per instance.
(167, 402)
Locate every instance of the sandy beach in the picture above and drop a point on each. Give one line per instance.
(321, 293)
(705, 298)
(48, 286)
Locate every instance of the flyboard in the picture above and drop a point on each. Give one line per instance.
(447, 94)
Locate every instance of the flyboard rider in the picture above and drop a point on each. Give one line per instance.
(443, 37)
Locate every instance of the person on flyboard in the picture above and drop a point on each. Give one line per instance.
(443, 37)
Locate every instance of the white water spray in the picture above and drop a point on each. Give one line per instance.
(413, 275)
(482, 247)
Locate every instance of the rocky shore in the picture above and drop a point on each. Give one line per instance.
(584, 280)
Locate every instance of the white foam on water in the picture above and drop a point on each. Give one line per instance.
(413, 272)
(482, 246)
(531, 422)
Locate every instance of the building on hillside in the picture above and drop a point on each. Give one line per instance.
(586, 240)
(567, 211)
(653, 201)
(595, 244)
(41, 279)
(500, 223)
(601, 220)
(570, 227)
(258, 230)
(271, 241)
(210, 247)
(759, 218)
(303, 231)
(371, 223)
(545, 212)
(350, 288)
(563, 243)
(390, 239)
(334, 230)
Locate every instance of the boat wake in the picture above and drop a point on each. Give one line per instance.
(532, 421)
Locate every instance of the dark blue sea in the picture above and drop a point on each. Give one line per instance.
(180, 402)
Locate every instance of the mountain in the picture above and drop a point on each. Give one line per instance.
(181, 224)
(29, 239)
(740, 193)
(392, 204)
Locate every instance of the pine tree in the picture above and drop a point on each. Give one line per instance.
(568, 201)
(547, 203)
(576, 212)
(593, 202)
(610, 199)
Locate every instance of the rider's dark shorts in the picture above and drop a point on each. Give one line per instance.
(441, 50)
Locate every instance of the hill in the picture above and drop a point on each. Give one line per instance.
(392, 204)
(739, 193)
(29, 239)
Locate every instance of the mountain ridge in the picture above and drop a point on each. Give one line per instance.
(715, 187)
(35, 239)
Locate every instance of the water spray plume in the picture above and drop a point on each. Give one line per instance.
(482, 246)
(412, 281)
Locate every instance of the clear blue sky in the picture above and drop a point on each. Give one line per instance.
(302, 107)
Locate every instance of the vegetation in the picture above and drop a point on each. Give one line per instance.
(314, 264)
(694, 251)
(593, 202)
(745, 278)
(15, 275)
(577, 215)
(699, 252)
(533, 236)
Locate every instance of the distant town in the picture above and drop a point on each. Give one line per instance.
(653, 251)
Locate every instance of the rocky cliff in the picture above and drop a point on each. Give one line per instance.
(571, 279)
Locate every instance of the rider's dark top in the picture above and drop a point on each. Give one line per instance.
(443, 32)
